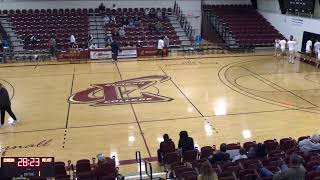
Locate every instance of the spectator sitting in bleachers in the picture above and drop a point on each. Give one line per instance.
(146, 11)
(93, 46)
(113, 19)
(311, 144)
(102, 7)
(131, 23)
(152, 27)
(139, 43)
(242, 155)
(251, 153)
(166, 146)
(164, 16)
(159, 15)
(295, 171)
(153, 13)
(158, 27)
(105, 166)
(137, 23)
(115, 32)
(125, 21)
(206, 172)
(261, 151)
(220, 155)
(106, 20)
(185, 142)
(122, 33)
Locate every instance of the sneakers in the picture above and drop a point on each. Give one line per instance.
(1, 126)
(12, 121)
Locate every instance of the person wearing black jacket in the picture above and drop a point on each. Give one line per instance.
(185, 142)
(115, 50)
(5, 105)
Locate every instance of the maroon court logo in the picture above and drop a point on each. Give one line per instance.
(134, 91)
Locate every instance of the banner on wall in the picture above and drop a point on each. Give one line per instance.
(107, 54)
(296, 21)
(128, 53)
(95, 55)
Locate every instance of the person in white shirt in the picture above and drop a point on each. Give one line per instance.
(311, 144)
(316, 47)
(317, 52)
(93, 46)
(292, 48)
(283, 44)
(160, 47)
(106, 20)
(73, 42)
(242, 155)
(308, 49)
(122, 33)
(276, 47)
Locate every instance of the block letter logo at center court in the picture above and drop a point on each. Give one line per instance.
(122, 92)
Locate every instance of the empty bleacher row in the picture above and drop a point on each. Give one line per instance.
(245, 25)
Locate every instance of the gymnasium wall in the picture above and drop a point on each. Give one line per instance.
(292, 25)
(288, 24)
(227, 2)
(273, 6)
(39, 4)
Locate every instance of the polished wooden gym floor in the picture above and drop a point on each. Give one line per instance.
(74, 111)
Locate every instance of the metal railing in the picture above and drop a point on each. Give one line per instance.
(184, 23)
(138, 160)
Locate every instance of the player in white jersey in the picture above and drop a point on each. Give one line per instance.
(292, 48)
(317, 52)
(283, 44)
(308, 49)
(316, 47)
(276, 47)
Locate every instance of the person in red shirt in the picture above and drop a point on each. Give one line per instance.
(166, 146)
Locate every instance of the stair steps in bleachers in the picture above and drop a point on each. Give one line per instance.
(185, 42)
(14, 38)
(96, 28)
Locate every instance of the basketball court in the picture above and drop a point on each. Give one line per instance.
(74, 111)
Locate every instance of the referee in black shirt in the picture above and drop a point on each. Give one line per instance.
(5, 105)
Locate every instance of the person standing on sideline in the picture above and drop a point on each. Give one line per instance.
(316, 47)
(276, 47)
(5, 105)
(292, 48)
(73, 42)
(308, 49)
(115, 50)
(160, 47)
(317, 55)
(283, 44)
(53, 46)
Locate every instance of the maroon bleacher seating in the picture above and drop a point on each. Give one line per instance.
(247, 26)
